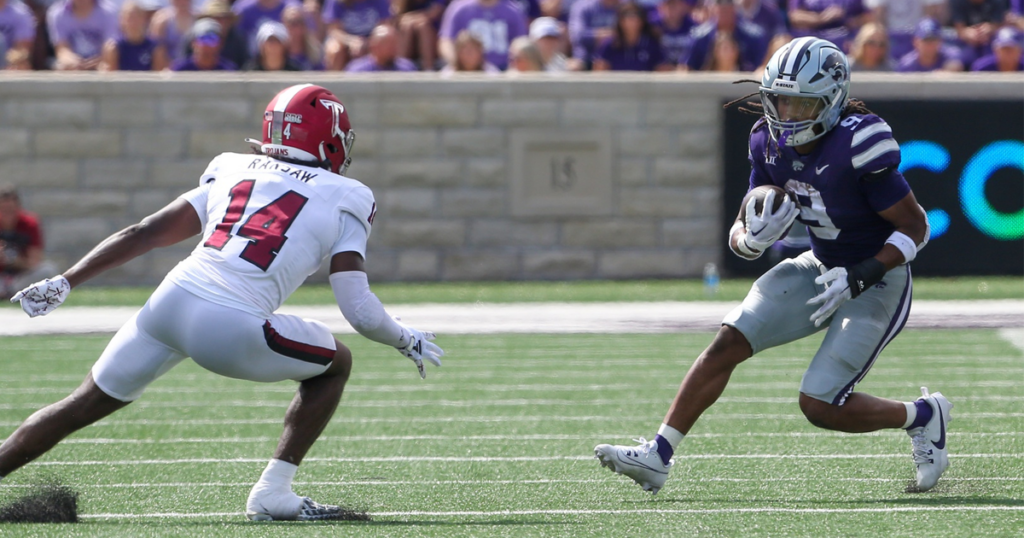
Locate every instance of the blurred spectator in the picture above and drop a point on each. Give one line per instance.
(304, 48)
(723, 18)
(133, 50)
(21, 245)
(349, 23)
(834, 20)
(383, 55)
(765, 14)
(591, 22)
(930, 53)
(900, 17)
(1015, 15)
(495, 22)
(529, 8)
(17, 25)
(469, 56)
(272, 49)
(976, 22)
(634, 46)
(774, 45)
(1006, 53)
(725, 55)
(78, 30)
(17, 60)
(206, 47)
(251, 14)
(417, 22)
(674, 26)
(169, 27)
(870, 49)
(234, 47)
(547, 35)
(524, 56)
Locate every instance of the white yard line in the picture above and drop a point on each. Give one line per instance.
(584, 512)
(483, 318)
(460, 459)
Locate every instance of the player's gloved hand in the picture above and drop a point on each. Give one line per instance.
(44, 296)
(420, 347)
(836, 293)
(765, 229)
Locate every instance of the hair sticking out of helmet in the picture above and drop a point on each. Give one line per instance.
(804, 89)
(308, 124)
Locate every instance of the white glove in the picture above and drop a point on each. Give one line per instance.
(420, 347)
(765, 229)
(837, 293)
(44, 296)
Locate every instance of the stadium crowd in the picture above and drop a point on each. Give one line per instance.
(493, 36)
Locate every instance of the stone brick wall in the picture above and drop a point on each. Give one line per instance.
(92, 154)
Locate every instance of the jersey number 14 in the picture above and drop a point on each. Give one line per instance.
(265, 229)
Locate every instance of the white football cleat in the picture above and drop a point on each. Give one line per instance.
(929, 441)
(278, 505)
(641, 463)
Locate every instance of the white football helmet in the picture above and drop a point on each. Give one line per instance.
(805, 87)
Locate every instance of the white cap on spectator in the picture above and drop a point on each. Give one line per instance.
(271, 29)
(545, 27)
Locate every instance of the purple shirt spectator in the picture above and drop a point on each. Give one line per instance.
(368, 64)
(752, 46)
(988, 63)
(17, 24)
(836, 31)
(646, 55)
(901, 19)
(530, 8)
(135, 56)
(189, 64)
(585, 18)
(676, 42)
(252, 13)
(1007, 46)
(911, 62)
(495, 24)
(970, 13)
(766, 15)
(357, 17)
(85, 36)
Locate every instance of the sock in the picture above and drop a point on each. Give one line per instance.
(279, 473)
(668, 439)
(922, 413)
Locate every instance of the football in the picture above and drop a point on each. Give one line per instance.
(759, 194)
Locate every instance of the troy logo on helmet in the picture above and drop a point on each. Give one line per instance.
(337, 109)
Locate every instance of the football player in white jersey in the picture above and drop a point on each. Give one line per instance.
(267, 222)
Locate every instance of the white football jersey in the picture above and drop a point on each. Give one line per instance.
(267, 225)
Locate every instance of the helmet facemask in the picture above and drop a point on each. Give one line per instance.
(795, 120)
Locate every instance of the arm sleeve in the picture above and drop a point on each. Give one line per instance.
(199, 197)
(364, 311)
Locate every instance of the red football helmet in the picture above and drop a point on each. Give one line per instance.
(308, 123)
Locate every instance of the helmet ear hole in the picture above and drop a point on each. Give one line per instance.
(332, 148)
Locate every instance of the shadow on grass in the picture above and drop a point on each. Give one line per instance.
(247, 525)
(932, 498)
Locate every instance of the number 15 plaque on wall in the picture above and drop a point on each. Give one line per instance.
(560, 172)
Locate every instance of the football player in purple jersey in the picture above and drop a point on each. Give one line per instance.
(840, 163)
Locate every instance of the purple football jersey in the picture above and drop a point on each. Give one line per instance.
(17, 23)
(644, 56)
(85, 36)
(367, 64)
(135, 56)
(496, 26)
(251, 15)
(849, 177)
(358, 17)
(585, 16)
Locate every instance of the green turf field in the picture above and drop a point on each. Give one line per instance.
(499, 442)
(974, 288)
